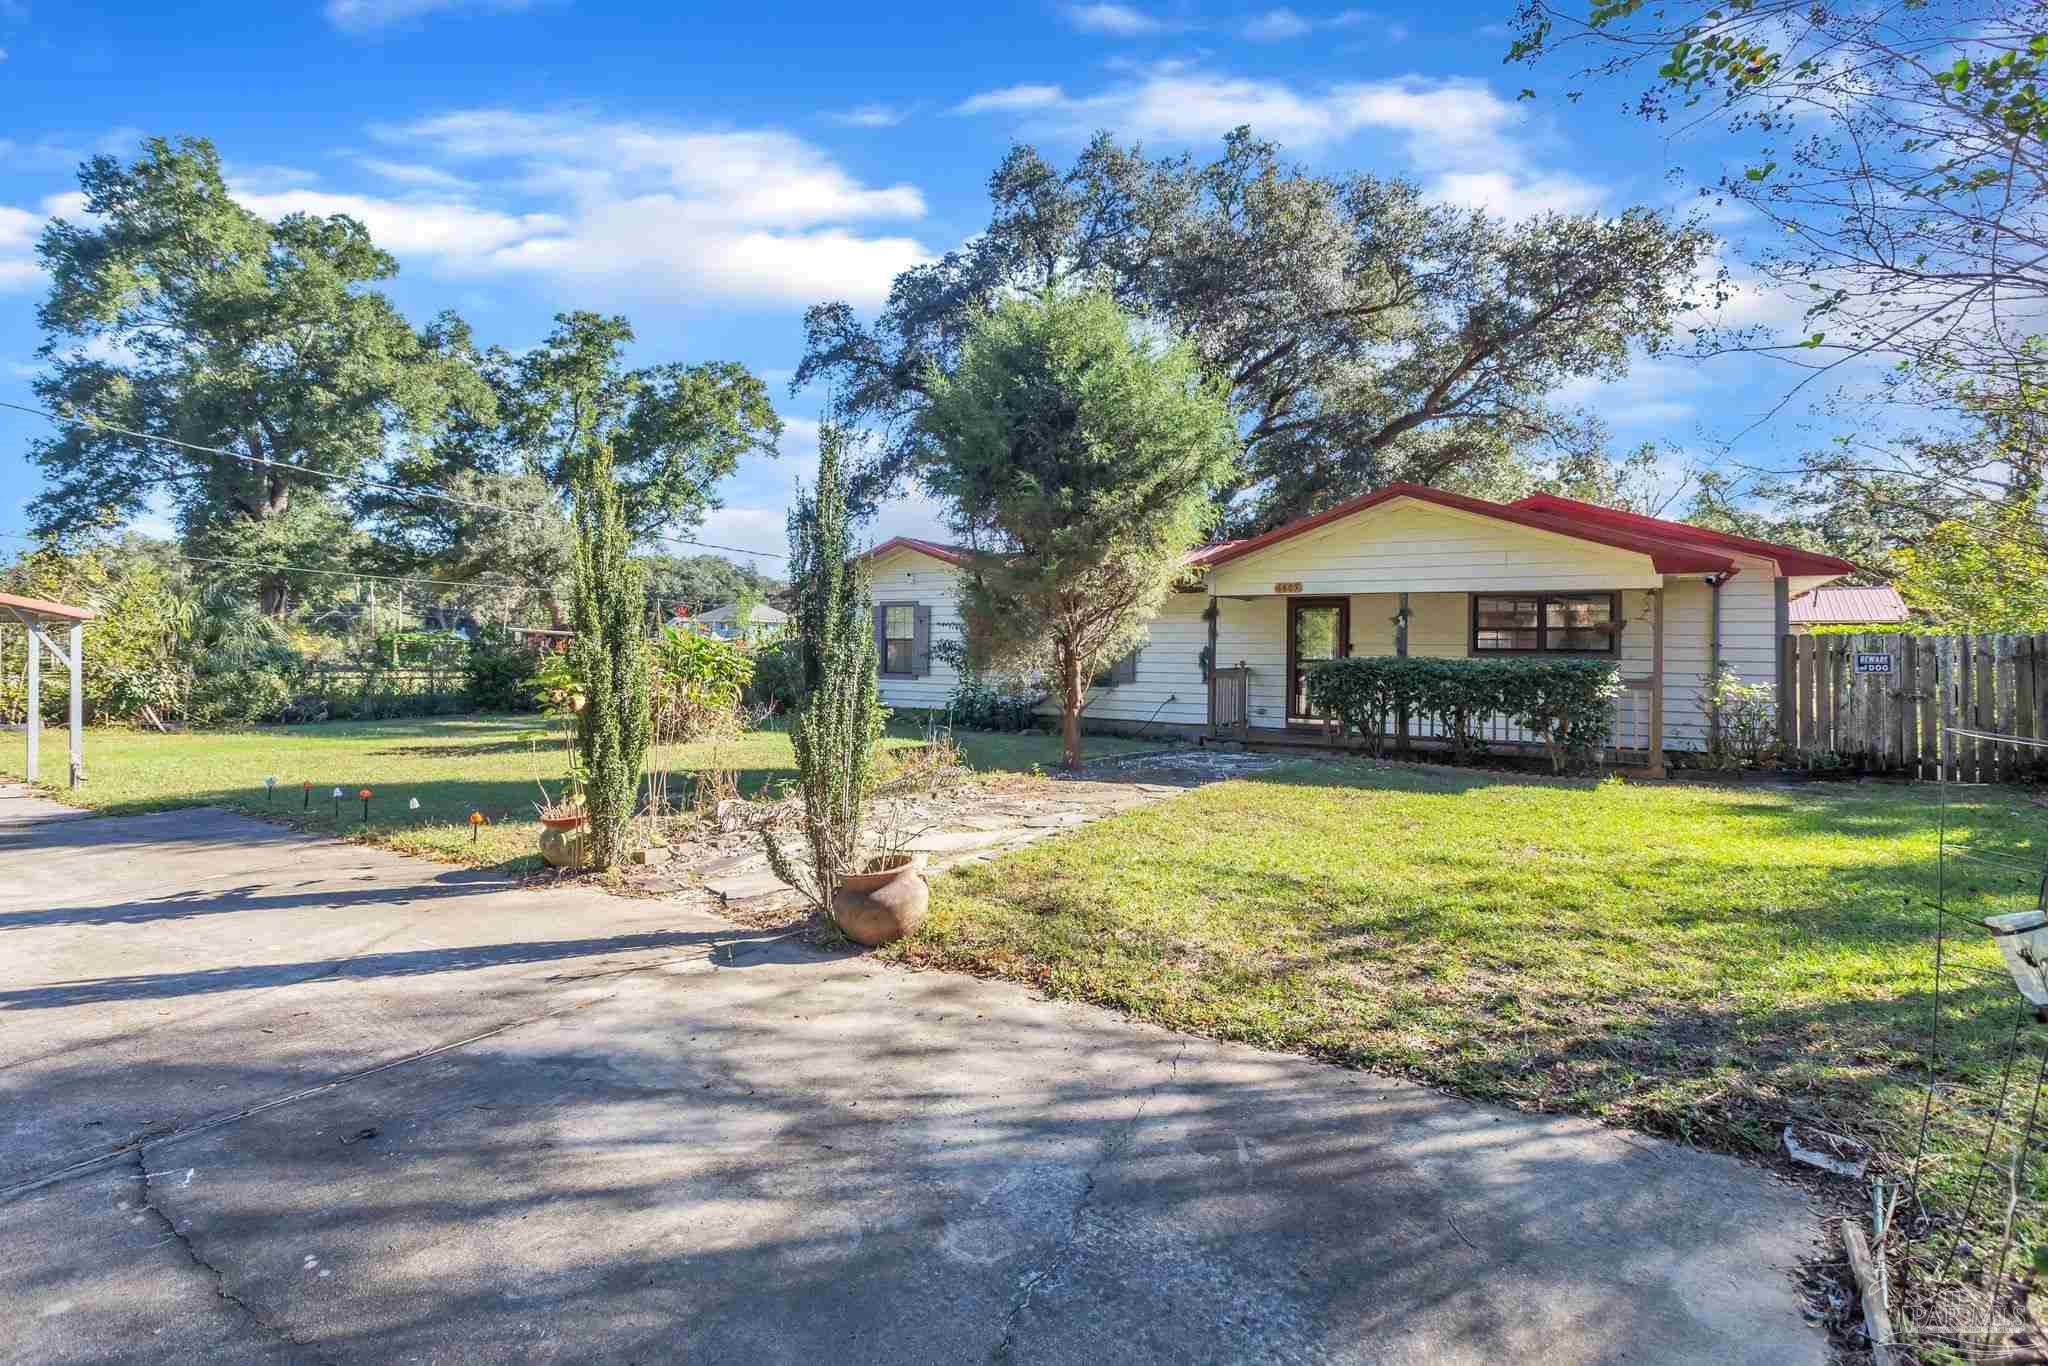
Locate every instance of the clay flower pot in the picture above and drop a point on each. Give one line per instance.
(569, 822)
(881, 906)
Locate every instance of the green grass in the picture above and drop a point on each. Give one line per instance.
(453, 766)
(1702, 962)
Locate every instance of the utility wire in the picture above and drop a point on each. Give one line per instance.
(100, 425)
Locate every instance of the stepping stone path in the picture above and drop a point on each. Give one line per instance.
(979, 821)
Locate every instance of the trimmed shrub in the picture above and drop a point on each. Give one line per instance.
(1564, 701)
(499, 672)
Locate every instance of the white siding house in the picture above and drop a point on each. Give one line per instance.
(1470, 578)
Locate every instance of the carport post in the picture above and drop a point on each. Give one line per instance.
(35, 702)
(76, 641)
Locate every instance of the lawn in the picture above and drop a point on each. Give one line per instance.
(452, 766)
(1703, 962)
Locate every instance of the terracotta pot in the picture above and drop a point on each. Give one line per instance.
(565, 822)
(881, 907)
(565, 846)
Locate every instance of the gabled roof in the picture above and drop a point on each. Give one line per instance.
(951, 554)
(1845, 606)
(1668, 554)
(1791, 560)
(761, 615)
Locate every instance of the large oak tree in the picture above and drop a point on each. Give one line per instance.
(1362, 332)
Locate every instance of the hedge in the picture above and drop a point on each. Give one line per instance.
(1565, 701)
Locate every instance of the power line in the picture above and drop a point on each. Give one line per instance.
(99, 424)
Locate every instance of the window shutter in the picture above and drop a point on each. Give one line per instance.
(1125, 670)
(881, 640)
(921, 643)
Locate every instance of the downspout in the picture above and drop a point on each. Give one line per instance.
(1714, 581)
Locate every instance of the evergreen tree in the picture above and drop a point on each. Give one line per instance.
(611, 657)
(838, 716)
(1082, 460)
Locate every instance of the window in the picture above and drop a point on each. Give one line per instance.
(899, 638)
(1552, 623)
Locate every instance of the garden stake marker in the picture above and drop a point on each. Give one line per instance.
(337, 808)
(269, 791)
(412, 804)
(365, 795)
(476, 825)
(308, 785)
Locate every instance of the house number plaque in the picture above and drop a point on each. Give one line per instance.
(1287, 588)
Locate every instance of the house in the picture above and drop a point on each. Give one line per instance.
(725, 623)
(1878, 609)
(1415, 571)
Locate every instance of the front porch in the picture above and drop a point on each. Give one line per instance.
(1262, 648)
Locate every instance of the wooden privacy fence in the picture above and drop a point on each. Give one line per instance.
(1885, 702)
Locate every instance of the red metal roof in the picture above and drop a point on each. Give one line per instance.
(951, 554)
(38, 608)
(1668, 554)
(1791, 559)
(1847, 605)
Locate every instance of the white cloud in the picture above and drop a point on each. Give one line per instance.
(757, 215)
(1276, 25)
(871, 116)
(415, 176)
(1118, 21)
(18, 232)
(1516, 196)
(1178, 103)
(1652, 393)
(360, 16)
(1013, 99)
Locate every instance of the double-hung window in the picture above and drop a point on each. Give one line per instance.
(1545, 623)
(899, 638)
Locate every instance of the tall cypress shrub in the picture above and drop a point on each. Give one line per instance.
(838, 716)
(612, 729)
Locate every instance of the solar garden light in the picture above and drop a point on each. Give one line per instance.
(476, 825)
(269, 790)
(365, 795)
(412, 804)
(337, 808)
(308, 787)
(2023, 940)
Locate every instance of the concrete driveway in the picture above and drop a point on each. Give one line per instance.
(269, 1098)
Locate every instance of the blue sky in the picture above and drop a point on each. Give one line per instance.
(711, 173)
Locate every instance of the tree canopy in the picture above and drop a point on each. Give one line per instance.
(1080, 458)
(1361, 332)
(175, 312)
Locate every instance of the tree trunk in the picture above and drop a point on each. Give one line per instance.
(1070, 710)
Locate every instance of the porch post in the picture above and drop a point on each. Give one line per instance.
(1714, 582)
(1656, 682)
(1781, 593)
(1215, 662)
(35, 704)
(76, 641)
(1401, 650)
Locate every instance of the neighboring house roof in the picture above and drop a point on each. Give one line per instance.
(951, 554)
(1670, 554)
(40, 608)
(1791, 560)
(762, 615)
(1848, 606)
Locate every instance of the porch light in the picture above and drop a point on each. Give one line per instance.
(2023, 940)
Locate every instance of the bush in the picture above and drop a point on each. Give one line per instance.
(1746, 721)
(778, 676)
(499, 672)
(239, 697)
(1564, 701)
(698, 683)
(980, 702)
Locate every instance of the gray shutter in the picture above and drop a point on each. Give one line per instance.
(1125, 670)
(921, 643)
(881, 641)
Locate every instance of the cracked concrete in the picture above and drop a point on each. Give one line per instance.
(392, 1113)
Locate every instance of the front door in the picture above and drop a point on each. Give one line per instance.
(1317, 629)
